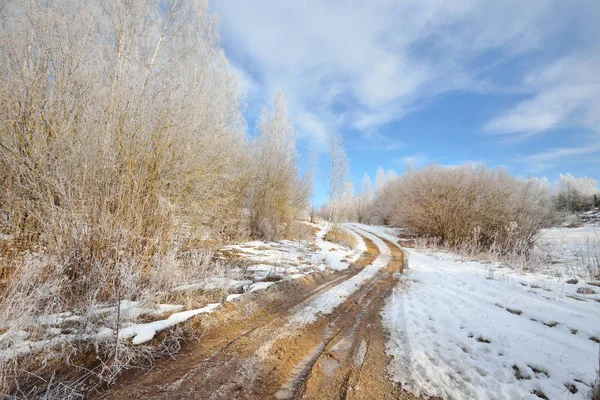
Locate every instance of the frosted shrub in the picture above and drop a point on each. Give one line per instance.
(469, 206)
(122, 134)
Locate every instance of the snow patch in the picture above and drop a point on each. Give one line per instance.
(329, 300)
(255, 287)
(143, 333)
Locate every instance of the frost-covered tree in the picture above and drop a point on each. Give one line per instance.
(364, 201)
(575, 194)
(336, 178)
(278, 192)
(382, 209)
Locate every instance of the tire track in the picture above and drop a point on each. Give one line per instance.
(339, 356)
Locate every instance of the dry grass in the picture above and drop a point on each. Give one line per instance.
(587, 259)
(75, 344)
(342, 237)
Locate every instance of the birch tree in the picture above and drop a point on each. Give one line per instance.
(278, 191)
(335, 179)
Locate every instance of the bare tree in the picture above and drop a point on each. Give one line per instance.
(336, 178)
(364, 200)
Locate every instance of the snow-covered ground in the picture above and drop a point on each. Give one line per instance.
(574, 251)
(476, 330)
(295, 259)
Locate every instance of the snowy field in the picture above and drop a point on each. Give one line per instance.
(574, 251)
(473, 330)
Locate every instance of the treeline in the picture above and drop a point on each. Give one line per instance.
(468, 205)
(576, 194)
(122, 141)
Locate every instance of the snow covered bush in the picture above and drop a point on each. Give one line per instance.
(474, 205)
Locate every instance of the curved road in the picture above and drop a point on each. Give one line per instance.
(266, 350)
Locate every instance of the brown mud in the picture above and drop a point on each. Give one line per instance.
(254, 353)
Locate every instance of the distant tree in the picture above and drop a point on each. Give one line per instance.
(575, 194)
(570, 200)
(336, 178)
(382, 208)
(364, 200)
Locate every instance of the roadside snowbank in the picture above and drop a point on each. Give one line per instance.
(143, 333)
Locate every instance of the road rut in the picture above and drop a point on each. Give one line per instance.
(340, 355)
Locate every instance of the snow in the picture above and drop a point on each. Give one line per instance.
(335, 256)
(255, 287)
(464, 329)
(55, 319)
(17, 343)
(286, 259)
(280, 255)
(142, 333)
(215, 283)
(129, 310)
(329, 300)
(233, 296)
(573, 250)
(382, 231)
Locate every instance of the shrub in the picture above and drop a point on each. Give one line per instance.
(468, 204)
(119, 140)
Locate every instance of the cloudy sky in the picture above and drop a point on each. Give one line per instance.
(507, 83)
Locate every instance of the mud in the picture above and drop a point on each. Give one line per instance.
(259, 356)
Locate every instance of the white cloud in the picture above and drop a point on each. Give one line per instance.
(416, 160)
(565, 93)
(545, 160)
(314, 127)
(376, 60)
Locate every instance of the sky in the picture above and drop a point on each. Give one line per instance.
(511, 83)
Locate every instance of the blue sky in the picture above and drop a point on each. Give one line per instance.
(506, 83)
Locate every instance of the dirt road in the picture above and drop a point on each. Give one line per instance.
(272, 352)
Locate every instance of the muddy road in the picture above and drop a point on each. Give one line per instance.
(284, 348)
